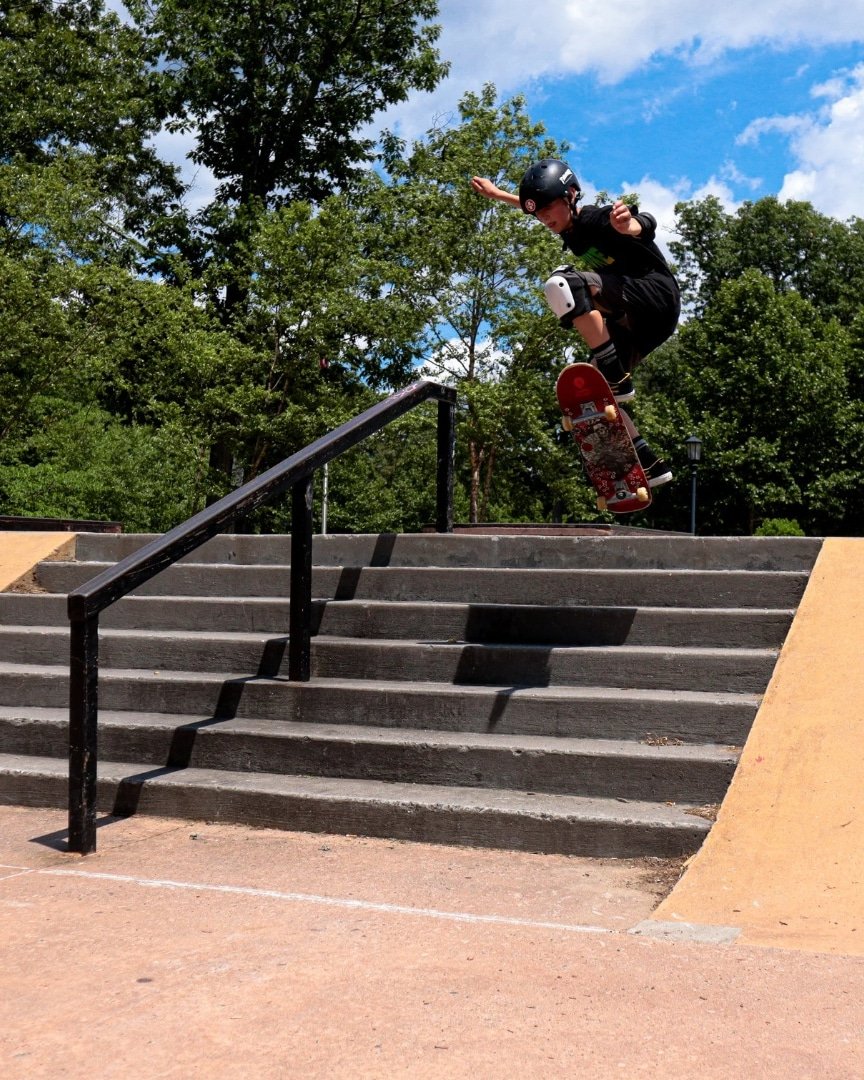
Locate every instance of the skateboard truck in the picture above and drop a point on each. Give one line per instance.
(610, 412)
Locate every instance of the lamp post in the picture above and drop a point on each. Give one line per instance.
(694, 454)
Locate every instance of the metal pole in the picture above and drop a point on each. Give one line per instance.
(446, 459)
(693, 470)
(300, 619)
(83, 715)
(325, 496)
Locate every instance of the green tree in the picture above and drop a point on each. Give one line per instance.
(76, 88)
(85, 464)
(761, 378)
(475, 269)
(278, 95)
(102, 372)
(792, 244)
(106, 393)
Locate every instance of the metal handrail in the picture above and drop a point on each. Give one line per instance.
(87, 601)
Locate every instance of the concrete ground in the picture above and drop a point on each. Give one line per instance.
(183, 950)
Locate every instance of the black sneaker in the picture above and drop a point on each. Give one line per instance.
(606, 360)
(656, 469)
(623, 389)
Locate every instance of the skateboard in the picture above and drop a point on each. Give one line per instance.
(594, 419)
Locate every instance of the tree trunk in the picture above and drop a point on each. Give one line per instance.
(476, 455)
(487, 485)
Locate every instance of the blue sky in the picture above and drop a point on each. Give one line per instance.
(674, 99)
(680, 126)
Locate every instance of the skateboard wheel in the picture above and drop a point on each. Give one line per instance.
(567, 422)
(601, 503)
(611, 412)
(642, 494)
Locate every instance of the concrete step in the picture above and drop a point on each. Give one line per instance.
(639, 551)
(569, 693)
(647, 667)
(639, 588)
(650, 667)
(578, 711)
(480, 623)
(553, 765)
(562, 824)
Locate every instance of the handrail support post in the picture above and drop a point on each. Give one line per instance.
(445, 470)
(300, 618)
(83, 712)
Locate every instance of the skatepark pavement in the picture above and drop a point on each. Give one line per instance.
(184, 950)
(216, 951)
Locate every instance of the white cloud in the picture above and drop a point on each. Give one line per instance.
(659, 200)
(513, 44)
(767, 125)
(827, 145)
(733, 174)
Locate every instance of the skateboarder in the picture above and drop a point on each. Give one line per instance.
(622, 298)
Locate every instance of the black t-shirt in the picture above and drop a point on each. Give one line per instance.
(603, 249)
(639, 281)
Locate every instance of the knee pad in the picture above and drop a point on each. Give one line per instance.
(568, 295)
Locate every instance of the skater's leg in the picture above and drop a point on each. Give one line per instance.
(575, 297)
(656, 469)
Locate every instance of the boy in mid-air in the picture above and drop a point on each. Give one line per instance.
(624, 301)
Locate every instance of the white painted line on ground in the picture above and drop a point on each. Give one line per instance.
(329, 901)
(17, 871)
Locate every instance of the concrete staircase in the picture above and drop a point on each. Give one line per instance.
(583, 694)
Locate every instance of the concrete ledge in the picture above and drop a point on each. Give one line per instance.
(21, 551)
(50, 524)
(785, 860)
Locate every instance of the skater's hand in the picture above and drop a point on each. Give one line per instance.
(623, 221)
(485, 187)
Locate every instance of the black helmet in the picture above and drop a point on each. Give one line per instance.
(543, 183)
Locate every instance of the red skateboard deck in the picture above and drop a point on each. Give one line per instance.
(594, 419)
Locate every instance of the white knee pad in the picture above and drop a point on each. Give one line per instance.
(567, 294)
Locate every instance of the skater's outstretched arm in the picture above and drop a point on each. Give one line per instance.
(490, 190)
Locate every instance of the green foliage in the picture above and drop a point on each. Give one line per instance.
(84, 464)
(779, 527)
(149, 359)
(277, 93)
(387, 484)
(603, 198)
(475, 270)
(761, 378)
(104, 375)
(798, 249)
(76, 83)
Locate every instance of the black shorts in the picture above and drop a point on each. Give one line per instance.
(641, 313)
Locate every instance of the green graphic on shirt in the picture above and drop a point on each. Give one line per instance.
(593, 259)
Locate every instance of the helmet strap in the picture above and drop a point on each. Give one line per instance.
(573, 202)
